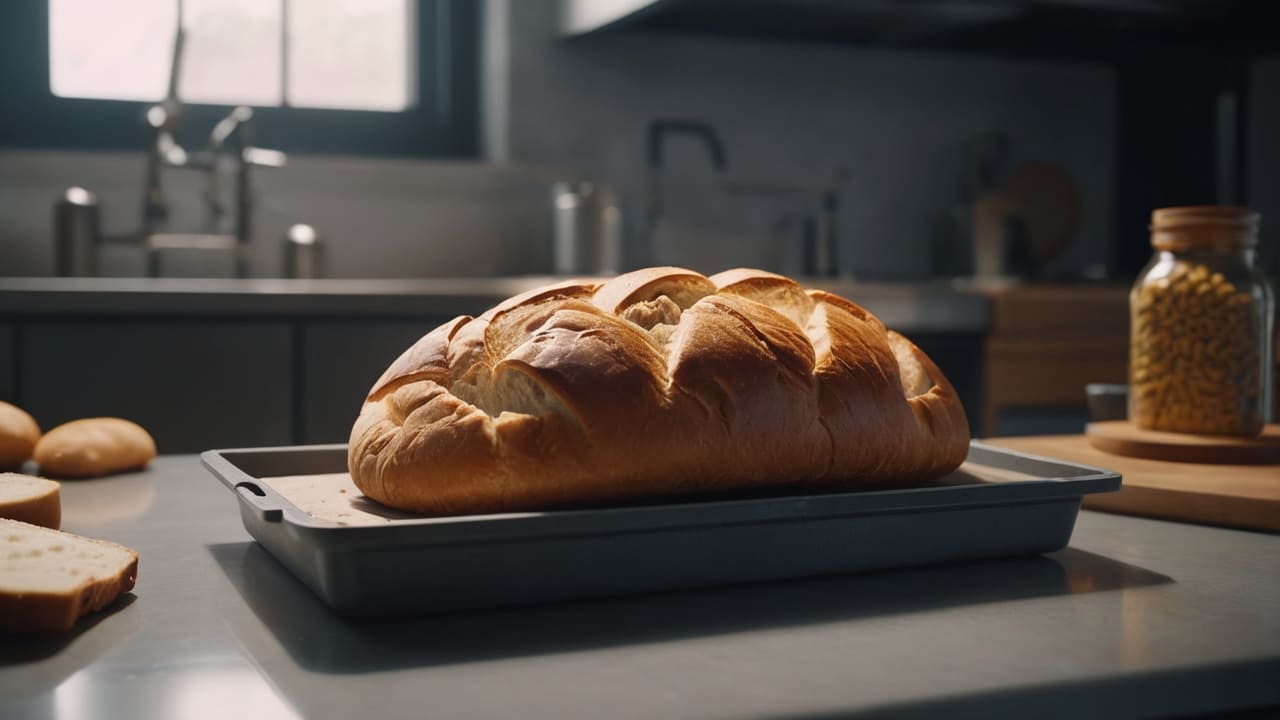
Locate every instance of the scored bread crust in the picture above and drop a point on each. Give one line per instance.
(657, 382)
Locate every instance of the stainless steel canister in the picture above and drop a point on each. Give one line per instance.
(586, 228)
(75, 233)
(303, 252)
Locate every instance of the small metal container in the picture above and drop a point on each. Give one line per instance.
(586, 229)
(75, 233)
(303, 252)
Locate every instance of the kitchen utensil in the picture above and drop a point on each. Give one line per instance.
(363, 560)
(1242, 496)
(1048, 201)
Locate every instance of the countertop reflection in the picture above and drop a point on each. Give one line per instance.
(1135, 618)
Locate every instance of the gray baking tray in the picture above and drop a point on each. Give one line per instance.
(364, 560)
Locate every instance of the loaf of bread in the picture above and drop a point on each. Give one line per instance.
(93, 447)
(30, 499)
(49, 579)
(660, 382)
(19, 434)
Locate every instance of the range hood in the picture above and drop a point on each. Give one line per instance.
(1080, 29)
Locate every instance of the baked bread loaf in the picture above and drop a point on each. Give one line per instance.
(93, 447)
(659, 382)
(19, 434)
(30, 499)
(49, 578)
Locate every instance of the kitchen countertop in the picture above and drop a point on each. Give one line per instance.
(1135, 618)
(903, 306)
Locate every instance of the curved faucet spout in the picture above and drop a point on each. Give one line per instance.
(660, 128)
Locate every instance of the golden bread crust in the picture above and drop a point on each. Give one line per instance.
(658, 382)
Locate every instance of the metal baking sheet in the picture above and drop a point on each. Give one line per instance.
(365, 560)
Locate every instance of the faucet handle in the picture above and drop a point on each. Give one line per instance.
(263, 157)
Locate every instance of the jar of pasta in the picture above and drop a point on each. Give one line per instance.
(1201, 332)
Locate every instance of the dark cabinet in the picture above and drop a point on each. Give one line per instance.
(339, 361)
(198, 383)
(8, 383)
(195, 384)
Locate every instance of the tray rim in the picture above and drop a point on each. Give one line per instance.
(1076, 481)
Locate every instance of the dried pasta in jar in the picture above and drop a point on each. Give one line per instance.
(1201, 327)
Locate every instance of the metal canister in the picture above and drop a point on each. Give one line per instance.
(586, 228)
(75, 233)
(303, 252)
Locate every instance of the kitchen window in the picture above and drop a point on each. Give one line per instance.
(348, 54)
(365, 77)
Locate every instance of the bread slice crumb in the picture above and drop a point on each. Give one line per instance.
(49, 579)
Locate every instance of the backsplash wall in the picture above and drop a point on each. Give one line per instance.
(795, 114)
(789, 114)
(377, 217)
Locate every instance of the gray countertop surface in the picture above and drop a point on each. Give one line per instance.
(1135, 618)
(904, 306)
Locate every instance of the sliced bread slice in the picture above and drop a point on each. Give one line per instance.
(30, 499)
(49, 578)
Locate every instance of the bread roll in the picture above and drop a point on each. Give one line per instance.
(49, 579)
(93, 447)
(30, 499)
(19, 434)
(659, 382)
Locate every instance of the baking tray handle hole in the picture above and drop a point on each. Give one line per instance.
(251, 487)
(269, 514)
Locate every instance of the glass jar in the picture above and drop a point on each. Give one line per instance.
(1201, 326)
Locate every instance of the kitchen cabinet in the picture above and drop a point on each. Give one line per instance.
(1117, 30)
(194, 384)
(339, 361)
(1047, 342)
(233, 363)
(8, 383)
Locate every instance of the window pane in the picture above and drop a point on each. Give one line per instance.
(232, 53)
(351, 54)
(116, 50)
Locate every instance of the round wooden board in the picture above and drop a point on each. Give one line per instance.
(1120, 437)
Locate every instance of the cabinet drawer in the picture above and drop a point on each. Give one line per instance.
(194, 384)
(340, 361)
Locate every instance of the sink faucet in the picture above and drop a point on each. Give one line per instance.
(163, 119)
(165, 152)
(655, 139)
(820, 236)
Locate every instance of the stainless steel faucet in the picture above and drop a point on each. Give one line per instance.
(655, 139)
(164, 152)
(819, 221)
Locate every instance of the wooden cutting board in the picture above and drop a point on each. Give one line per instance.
(1120, 437)
(1242, 496)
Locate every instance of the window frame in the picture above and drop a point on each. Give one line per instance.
(443, 123)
